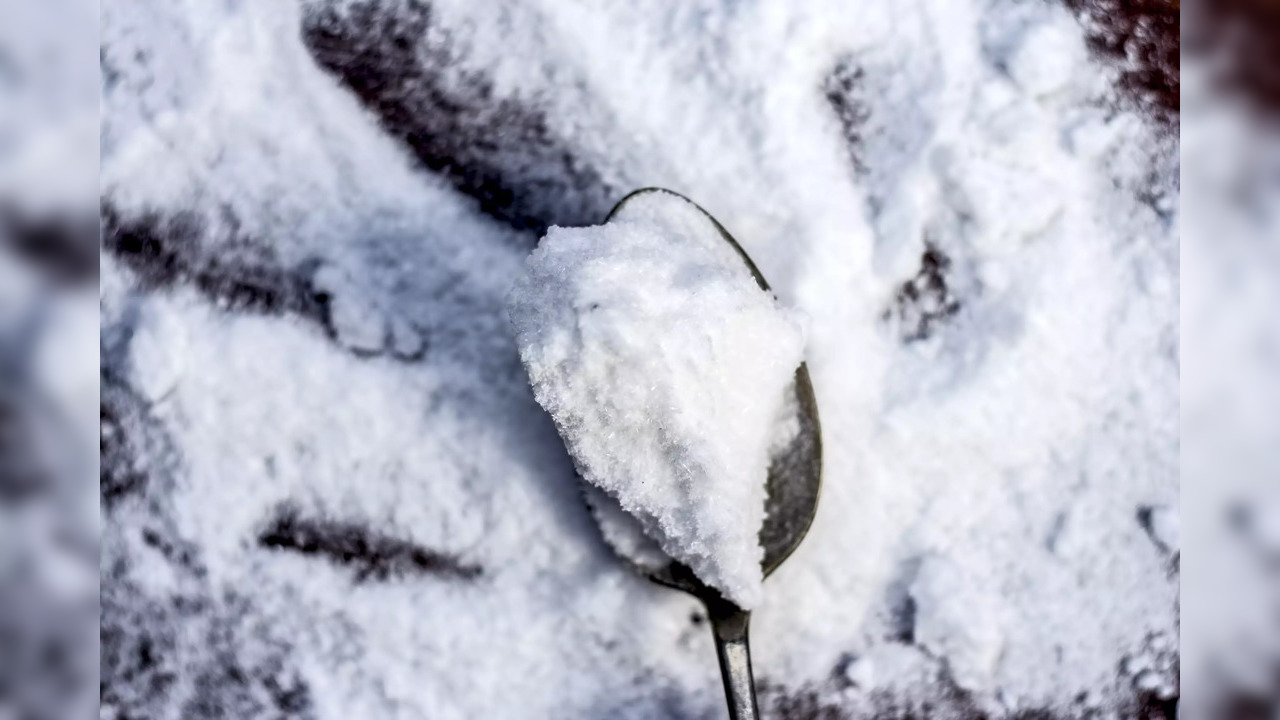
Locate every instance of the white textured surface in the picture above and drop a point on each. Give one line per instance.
(1014, 444)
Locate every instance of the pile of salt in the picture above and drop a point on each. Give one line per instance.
(664, 366)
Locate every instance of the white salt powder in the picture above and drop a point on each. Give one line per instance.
(664, 366)
(1043, 414)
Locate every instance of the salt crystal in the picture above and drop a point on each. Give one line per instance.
(664, 365)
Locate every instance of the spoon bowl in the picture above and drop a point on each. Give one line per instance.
(791, 499)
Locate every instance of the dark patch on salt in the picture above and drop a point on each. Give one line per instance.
(499, 150)
(900, 606)
(167, 250)
(902, 620)
(1141, 37)
(372, 554)
(1146, 518)
(118, 476)
(237, 273)
(884, 133)
(62, 245)
(229, 683)
(925, 301)
(1239, 517)
(1240, 35)
(1149, 705)
(1173, 556)
(160, 249)
(175, 550)
(940, 699)
(140, 663)
(842, 90)
(1033, 714)
(1153, 672)
(1247, 705)
(798, 704)
(192, 657)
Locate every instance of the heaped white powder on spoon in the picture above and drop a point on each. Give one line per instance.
(664, 365)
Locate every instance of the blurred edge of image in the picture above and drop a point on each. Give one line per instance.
(1230, 267)
(49, 91)
(49, 350)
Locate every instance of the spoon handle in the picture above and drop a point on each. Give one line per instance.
(729, 628)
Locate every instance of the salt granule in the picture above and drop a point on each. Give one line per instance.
(664, 365)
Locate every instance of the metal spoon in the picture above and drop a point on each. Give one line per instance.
(792, 488)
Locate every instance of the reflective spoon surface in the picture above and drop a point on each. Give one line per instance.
(792, 489)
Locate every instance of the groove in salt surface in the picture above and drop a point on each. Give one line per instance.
(242, 275)
(372, 554)
(500, 151)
